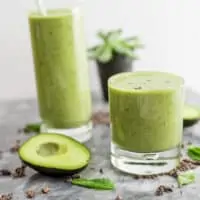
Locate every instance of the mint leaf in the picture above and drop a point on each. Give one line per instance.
(32, 127)
(194, 152)
(98, 184)
(186, 178)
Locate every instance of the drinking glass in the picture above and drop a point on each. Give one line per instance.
(61, 68)
(146, 112)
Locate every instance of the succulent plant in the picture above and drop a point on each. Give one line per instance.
(112, 43)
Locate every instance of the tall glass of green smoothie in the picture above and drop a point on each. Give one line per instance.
(61, 70)
(146, 112)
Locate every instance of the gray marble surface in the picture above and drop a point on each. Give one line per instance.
(14, 114)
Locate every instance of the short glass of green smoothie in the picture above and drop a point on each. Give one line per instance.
(61, 69)
(146, 112)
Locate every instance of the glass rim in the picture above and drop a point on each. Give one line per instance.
(115, 77)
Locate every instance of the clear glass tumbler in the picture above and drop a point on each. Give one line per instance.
(146, 111)
(61, 69)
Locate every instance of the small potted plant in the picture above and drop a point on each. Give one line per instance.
(115, 54)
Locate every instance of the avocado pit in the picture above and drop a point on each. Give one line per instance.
(50, 149)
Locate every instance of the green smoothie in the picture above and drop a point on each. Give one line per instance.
(146, 110)
(61, 68)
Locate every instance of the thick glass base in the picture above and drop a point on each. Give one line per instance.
(144, 163)
(81, 134)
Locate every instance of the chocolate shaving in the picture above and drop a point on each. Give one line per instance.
(69, 178)
(20, 130)
(185, 165)
(173, 173)
(92, 168)
(30, 194)
(145, 176)
(76, 176)
(101, 171)
(163, 189)
(193, 164)
(118, 197)
(5, 172)
(16, 147)
(6, 196)
(19, 172)
(138, 88)
(45, 190)
(101, 117)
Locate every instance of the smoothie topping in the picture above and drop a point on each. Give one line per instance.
(163, 189)
(30, 194)
(118, 197)
(5, 172)
(148, 81)
(45, 190)
(138, 88)
(19, 172)
(16, 147)
(6, 196)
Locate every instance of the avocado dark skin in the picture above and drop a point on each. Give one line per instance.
(53, 172)
(189, 122)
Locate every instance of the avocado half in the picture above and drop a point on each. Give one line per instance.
(54, 154)
(191, 115)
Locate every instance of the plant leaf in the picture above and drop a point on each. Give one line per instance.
(114, 37)
(123, 49)
(133, 43)
(106, 54)
(186, 178)
(93, 48)
(194, 152)
(32, 127)
(102, 35)
(99, 184)
(94, 53)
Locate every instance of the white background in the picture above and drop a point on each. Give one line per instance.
(170, 30)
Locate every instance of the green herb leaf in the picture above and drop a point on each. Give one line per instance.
(186, 178)
(194, 152)
(32, 127)
(98, 184)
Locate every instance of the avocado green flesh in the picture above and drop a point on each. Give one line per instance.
(191, 115)
(54, 154)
